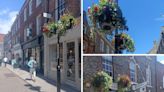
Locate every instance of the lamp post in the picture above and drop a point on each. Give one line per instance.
(58, 64)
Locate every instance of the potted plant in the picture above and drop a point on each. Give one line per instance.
(123, 83)
(102, 82)
(50, 29)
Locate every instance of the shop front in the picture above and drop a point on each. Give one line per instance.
(16, 52)
(33, 48)
(70, 57)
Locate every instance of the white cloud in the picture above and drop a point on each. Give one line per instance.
(7, 20)
(3, 12)
(162, 61)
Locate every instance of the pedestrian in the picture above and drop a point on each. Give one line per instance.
(5, 59)
(13, 62)
(32, 65)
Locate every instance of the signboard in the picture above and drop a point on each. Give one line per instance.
(47, 15)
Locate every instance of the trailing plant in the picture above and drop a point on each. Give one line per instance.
(123, 83)
(102, 82)
(124, 42)
(107, 15)
(66, 22)
(50, 29)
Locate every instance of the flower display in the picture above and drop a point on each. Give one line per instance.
(66, 22)
(107, 15)
(102, 82)
(50, 28)
(124, 42)
(123, 83)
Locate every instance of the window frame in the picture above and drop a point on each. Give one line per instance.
(25, 14)
(132, 71)
(38, 2)
(30, 7)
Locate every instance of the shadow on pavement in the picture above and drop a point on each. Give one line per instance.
(65, 87)
(34, 88)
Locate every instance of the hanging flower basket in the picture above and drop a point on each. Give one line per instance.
(102, 82)
(107, 15)
(68, 21)
(124, 42)
(123, 83)
(50, 29)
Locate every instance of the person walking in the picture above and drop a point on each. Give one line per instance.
(5, 60)
(13, 62)
(32, 65)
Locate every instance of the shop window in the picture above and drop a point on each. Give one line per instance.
(71, 61)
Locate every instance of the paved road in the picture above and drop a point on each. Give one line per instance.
(9, 82)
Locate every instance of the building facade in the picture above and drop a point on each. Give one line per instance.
(8, 46)
(1, 46)
(94, 41)
(145, 72)
(70, 46)
(26, 39)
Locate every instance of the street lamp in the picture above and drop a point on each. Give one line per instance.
(58, 63)
(48, 16)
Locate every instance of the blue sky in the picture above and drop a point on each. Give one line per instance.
(144, 19)
(160, 59)
(8, 11)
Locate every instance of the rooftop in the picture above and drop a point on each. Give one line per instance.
(1, 37)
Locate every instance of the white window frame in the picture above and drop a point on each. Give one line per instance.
(30, 7)
(38, 2)
(132, 71)
(60, 8)
(108, 68)
(38, 24)
(148, 75)
(25, 14)
(18, 23)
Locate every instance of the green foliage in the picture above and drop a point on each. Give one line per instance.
(66, 22)
(102, 82)
(129, 43)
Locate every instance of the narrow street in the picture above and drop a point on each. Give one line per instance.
(9, 82)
